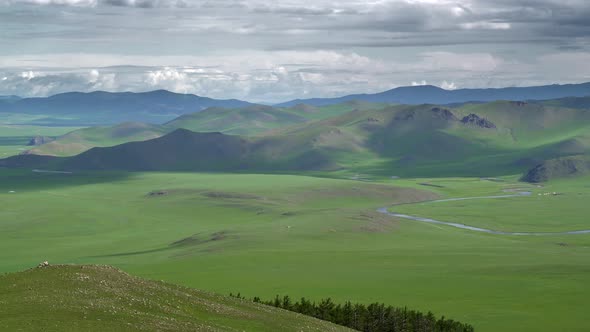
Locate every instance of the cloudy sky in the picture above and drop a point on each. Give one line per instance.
(283, 49)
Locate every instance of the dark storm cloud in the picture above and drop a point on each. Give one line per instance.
(453, 22)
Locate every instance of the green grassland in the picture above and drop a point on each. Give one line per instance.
(14, 138)
(543, 211)
(100, 298)
(317, 233)
(263, 235)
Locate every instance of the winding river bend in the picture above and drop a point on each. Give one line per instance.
(478, 229)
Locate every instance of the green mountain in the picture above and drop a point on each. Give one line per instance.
(496, 138)
(84, 139)
(259, 119)
(184, 150)
(251, 120)
(102, 298)
(244, 121)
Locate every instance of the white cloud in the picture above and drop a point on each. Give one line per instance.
(28, 75)
(170, 79)
(472, 62)
(448, 86)
(94, 75)
(485, 25)
(280, 75)
(444, 84)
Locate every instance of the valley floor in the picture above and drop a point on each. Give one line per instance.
(263, 235)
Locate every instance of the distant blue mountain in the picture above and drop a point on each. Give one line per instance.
(9, 98)
(108, 108)
(428, 94)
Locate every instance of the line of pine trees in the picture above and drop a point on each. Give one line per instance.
(375, 317)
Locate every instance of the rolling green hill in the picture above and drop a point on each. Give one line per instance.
(84, 139)
(251, 120)
(490, 139)
(571, 102)
(102, 298)
(259, 119)
(16, 139)
(243, 121)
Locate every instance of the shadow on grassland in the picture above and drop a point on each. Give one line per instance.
(19, 180)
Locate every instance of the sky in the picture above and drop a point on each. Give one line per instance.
(271, 51)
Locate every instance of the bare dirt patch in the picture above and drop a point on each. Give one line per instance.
(374, 222)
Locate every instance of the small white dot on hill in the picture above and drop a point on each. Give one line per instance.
(12, 192)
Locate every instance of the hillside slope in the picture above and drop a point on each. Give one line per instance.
(250, 120)
(243, 121)
(490, 139)
(558, 168)
(101, 298)
(260, 119)
(81, 140)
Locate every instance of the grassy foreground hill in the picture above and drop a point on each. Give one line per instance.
(102, 298)
(263, 235)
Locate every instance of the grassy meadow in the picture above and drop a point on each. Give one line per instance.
(102, 298)
(263, 235)
(556, 206)
(14, 138)
(316, 233)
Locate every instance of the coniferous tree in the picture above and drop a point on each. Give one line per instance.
(376, 317)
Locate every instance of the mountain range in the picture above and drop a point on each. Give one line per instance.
(428, 94)
(157, 107)
(475, 139)
(96, 108)
(249, 121)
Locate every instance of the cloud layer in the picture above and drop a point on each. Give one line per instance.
(284, 49)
